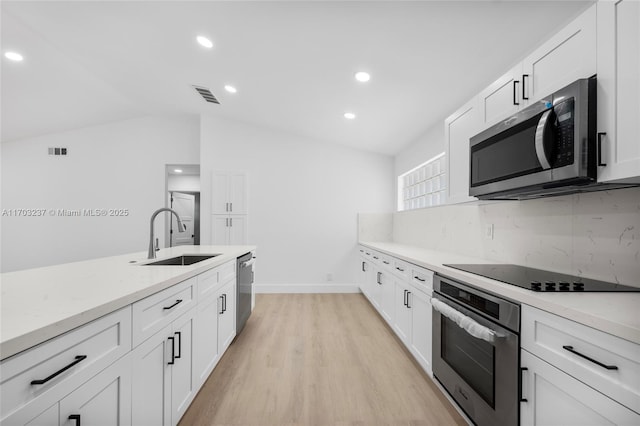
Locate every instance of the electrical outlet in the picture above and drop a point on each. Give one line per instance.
(488, 231)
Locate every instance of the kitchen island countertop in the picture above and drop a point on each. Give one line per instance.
(42, 303)
(614, 313)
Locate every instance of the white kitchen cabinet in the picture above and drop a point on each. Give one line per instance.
(567, 56)
(364, 271)
(618, 65)
(386, 296)
(552, 397)
(229, 193)
(206, 354)
(402, 323)
(413, 322)
(502, 98)
(37, 379)
(226, 315)
(458, 129)
(162, 379)
(228, 229)
(103, 400)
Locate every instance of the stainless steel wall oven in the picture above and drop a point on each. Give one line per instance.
(476, 351)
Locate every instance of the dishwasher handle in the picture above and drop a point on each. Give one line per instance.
(248, 263)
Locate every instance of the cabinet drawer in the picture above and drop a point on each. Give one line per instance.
(153, 313)
(566, 345)
(402, 269)
(386, 262)
(227, 271)
(422, 278)
(75, 356)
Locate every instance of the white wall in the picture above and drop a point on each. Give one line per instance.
(593, 234)
(303, 198)
(427, 146)
(188, 183)
(113, 166)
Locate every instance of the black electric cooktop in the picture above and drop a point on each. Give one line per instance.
(540, 280)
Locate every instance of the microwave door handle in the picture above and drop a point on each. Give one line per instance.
(540, 131)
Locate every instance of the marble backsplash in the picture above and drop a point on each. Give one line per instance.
(593, 234)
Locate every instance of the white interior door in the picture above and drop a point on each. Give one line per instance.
(184, 205)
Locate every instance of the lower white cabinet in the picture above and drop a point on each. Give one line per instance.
(105, 399)
(226, 315)
(400, 292)
(163, 382)
(552, 397)
(413, 322)
(206, 354)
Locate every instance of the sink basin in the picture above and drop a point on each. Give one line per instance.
(185, 259)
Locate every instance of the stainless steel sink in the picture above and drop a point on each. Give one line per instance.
(185, 259)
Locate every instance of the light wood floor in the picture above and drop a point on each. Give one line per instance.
(318, 359)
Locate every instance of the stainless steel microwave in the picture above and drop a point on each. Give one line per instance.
(548, 148)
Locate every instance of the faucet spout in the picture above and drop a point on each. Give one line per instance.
(181, 228)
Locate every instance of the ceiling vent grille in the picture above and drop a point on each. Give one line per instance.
(206, 94)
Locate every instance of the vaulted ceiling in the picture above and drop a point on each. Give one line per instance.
(292, 62)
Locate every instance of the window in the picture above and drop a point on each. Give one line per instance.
(423, 186)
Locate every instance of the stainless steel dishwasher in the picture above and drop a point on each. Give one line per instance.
(244, 290)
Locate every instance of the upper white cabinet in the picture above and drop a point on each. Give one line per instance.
(502, 98)
(567, 56)
(458, 129)
(618, 64)
(229, 193)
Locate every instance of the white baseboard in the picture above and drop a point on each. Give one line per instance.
(305, 288)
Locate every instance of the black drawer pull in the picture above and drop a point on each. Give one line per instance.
(515, 90)
(179, 334)
(419, 279)
(400, 269)
(78, 359)
(174, 305)
(524, 84)
(376, 257)
(173, 350)
(363, 270)
(385, 262)
(76, 418)
(573, 351)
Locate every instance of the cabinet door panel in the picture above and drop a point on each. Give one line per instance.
(502, 99)
(238, 193)
(564, 58)
(219, 230)
(459, 128)
(226, 316)
(619, 90)
(206, 339)
(151, 380)
(220, 193)
(402, 324)
(421, 329)
(104, 400)
(237, 230)
(387, 298)
(182, 383)
(50, 417)
(555, 398)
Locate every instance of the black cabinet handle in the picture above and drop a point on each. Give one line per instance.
(363, 267)
(179, 334)
(78, 359)
(515, 91)
(524, 84)
(419, 279)
(174, 305)
(376, 257)
(400, 269)
(224, 302)
(379, 278)
(408, 294)
(600, 135)
(573, 351)
(221, 305)
(76, 418)
(173, 351)
(522, 370)
(385, 262)
(405, 298)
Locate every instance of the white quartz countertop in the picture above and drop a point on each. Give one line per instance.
(39, 304)
(614, 313)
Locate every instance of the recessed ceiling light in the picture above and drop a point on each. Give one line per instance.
(349, 115)
(13, 56)
(230, 88)
(205, 42)
(363, 76)
(177, 170)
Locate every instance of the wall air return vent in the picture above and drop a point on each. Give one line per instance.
(206, 94)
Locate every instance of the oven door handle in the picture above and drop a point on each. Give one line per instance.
(468, 324)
